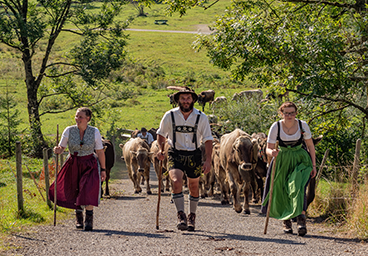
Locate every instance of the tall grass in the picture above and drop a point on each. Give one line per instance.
(357, 218)
(330, 202)
(36, 210)
(335, 205)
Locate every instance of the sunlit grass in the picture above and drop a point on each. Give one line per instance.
(358, 215)
(35, 209)
(330, 202)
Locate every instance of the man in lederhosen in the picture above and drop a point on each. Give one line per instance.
(185, 127)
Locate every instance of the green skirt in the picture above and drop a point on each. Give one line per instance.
(292, 172)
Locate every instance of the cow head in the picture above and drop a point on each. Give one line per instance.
(143, 158)
(262, 145)
(201, 98)
(172, 100)
(245, 152)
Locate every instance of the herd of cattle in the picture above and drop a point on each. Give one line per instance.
(209, 96)
(239, 165)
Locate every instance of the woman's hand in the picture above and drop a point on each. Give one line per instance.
(313, 172)
(58, 150)
(274, 152)
(103, 176)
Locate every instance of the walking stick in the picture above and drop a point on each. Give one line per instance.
(56, 173)
(159, 194)
(271, 190)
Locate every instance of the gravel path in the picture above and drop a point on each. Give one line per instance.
(125, 224)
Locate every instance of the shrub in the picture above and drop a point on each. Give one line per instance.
(247, 114)
(9, 117)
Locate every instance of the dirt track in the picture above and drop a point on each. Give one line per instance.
(125, 224)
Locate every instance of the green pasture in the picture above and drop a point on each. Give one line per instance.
(193, 20)
(36, 210)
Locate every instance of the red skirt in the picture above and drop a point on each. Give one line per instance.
(78, 182)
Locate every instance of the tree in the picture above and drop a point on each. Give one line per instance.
(9, 124)
(140, 8)
(315, 49)
(78, 77)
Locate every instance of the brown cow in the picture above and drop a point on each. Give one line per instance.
(239, 156)
(219, 102)
(110, 160)
(262, 165)
(153, 131)
(219, 172)
(172, 101)
(206, 96)
(258, 94)
(156, 164)
(311, 189)
(136, 153)
(206, 181)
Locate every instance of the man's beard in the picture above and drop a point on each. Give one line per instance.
(185, 110)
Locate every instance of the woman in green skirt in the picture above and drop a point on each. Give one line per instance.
(294, 168)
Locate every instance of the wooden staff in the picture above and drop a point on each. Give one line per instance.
(56, 173)
(271, 190)
(159, 194)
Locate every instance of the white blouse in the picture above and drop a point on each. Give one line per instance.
(272, 134)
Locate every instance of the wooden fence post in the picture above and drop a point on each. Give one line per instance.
(18, 152)
(47, 176)
(318, 176)
(355, 171)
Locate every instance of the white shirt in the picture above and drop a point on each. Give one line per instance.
(148, 137)
(272, 134)
(64, 138)
(184, 140)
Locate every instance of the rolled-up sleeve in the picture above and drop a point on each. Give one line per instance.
(98, 140)
(165, 125)
(206, 129)
(272, 133)
(64, 138)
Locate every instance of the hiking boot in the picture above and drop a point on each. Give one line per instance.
(182, 221)
(79, 219)
(302, 228)
(191, 221)
(287, 227)
(88, 224)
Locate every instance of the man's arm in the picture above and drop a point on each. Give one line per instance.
(207, 163)
(161, 145)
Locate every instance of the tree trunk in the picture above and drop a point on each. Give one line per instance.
(141, 11)
(38, 142)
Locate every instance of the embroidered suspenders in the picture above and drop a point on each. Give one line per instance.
(185, 129)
